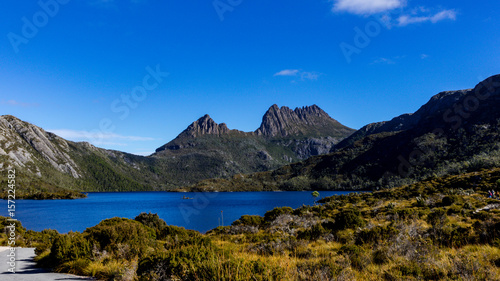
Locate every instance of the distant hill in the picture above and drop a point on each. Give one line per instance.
(48, 164)
(455, 132)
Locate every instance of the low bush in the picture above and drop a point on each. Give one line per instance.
(249, 220)
(355, 254)
(437, 217)
(70, 247)
(313, 233)
(375, 234)
(276, 212)
(450, 200)
(153, 221)
(349, 218)
(380, 256)
(121, 237)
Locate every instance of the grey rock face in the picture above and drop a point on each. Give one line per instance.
(206, 126)
(314, 146)
(20, 138)
(306, 131)
(282, 122)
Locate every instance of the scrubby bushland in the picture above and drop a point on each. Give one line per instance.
(439, 229)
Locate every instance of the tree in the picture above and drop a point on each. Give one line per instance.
(315, 194)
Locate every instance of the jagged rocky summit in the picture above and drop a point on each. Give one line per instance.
(306, 131)
(205, 149)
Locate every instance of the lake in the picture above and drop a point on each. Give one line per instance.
(202, 212)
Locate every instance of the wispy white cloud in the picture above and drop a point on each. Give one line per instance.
(18, 103)
(424, 56)
(406, 15)
(412, 18)
(98, 138)
(389, 60)
(384, 61)
(287, 72)
(366, 7)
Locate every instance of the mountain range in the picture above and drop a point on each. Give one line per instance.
(300, 149)
(49, 164)
(454, 132)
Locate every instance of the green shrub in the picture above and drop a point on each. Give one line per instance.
(454, 209)
(375, 234)
(355, 254)
(380, 256)
(451, 199)
(349, 218)
(249, 220)
(203, 262)
(405, 214)
(452, 235)
(488, 231)
(153, 221)
(42, 241)
(19, 230)
(76, 267)
(410, 269)
(124, 237)
(69, 247)
(276, 212)
(313, 233)
(437, 217)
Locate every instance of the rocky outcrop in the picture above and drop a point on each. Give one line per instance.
(205, 126)
(314, 146)
(19, 138)
(306, 131)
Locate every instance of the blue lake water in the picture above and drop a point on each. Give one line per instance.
(201, 213)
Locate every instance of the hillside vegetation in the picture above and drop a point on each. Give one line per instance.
(52, 167)
(446, 136)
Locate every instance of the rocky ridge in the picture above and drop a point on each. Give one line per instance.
(436, 105)
(19, 138)
(309, 120)
(307, 131)
(205, 149)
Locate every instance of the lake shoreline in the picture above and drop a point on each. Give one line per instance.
(201, 213)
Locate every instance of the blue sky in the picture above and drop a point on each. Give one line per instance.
(132, 74)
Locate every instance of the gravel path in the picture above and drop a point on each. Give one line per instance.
(26, 270)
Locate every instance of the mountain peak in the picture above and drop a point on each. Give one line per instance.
(206, 126)
(308, 120)
(442, 110)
